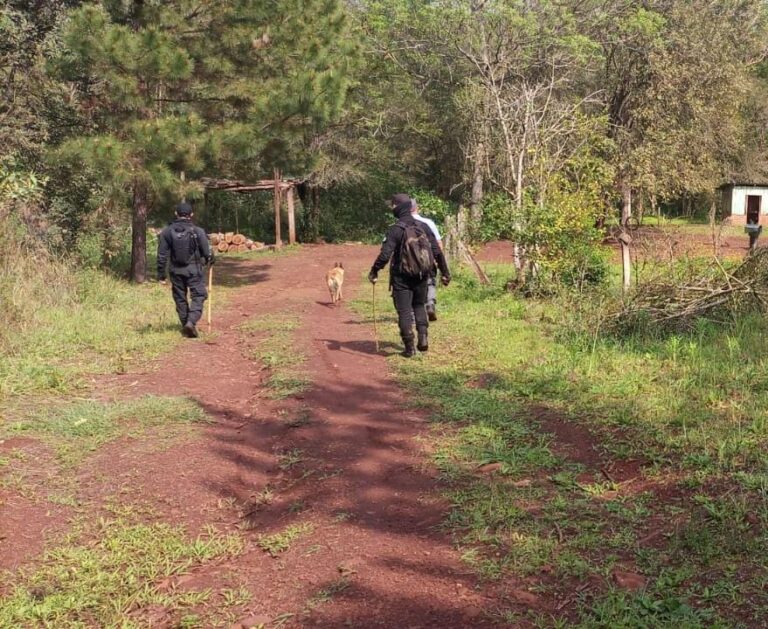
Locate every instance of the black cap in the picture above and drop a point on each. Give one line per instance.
(184, 209)
(399, 199)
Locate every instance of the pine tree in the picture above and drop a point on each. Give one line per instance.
(185, 86)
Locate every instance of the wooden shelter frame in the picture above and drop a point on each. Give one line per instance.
(281, 188)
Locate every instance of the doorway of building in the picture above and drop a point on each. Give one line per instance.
(753, 208)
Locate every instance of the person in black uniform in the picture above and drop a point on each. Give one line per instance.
(409, 292)
(183, 248)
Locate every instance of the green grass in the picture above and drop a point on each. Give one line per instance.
(270, 339)
(104, 326)
(110, 580)
(75, 429)
(692, 408)
(280, 542)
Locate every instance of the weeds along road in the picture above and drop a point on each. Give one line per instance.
(311, 460)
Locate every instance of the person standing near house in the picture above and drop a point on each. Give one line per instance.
(413, 250)
(432, 279)
(182, 247)
(753, 229)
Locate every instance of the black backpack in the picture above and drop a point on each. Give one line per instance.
(183, 244)
(416, 259)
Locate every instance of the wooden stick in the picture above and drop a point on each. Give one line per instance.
(210, 294)
(375, 327)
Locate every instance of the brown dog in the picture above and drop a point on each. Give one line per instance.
(335, 278)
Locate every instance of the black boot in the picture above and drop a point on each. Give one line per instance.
(431, 312)
(423, 344)
(410, 349)
(189, 330)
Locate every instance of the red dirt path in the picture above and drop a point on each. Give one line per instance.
(363, 481)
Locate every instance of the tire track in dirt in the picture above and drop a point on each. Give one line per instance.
(357, 475)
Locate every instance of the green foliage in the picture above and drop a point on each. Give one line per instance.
(620, 609)
(172, 88)
(433, 206)
(498, 212)
(357, 211)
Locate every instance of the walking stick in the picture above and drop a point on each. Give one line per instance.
(375, 327)
(210, 294)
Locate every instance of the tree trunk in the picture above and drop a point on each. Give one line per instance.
(476, 196)
(713, 227)
(291, 217)
(624, 238)
(138, 272)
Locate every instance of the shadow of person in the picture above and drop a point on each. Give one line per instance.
(367, 321)
(363, 347)
(154, 328)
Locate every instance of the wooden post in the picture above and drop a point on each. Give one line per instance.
(278, 240)
(291, 216)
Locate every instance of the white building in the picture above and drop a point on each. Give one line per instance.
(745, 202)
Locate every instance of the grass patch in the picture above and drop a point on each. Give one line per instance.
(76, 429)
(108, 581)
(270, 341)
(103, 325)
(278, 543)
(692, 408)
(326, 594)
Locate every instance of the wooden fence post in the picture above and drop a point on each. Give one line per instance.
(278, 240)
(291, 216)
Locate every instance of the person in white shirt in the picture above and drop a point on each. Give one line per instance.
(431, 282)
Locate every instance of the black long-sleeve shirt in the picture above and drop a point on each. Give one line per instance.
(165, 251)
(390, 249)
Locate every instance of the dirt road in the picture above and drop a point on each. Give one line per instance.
(343, 463)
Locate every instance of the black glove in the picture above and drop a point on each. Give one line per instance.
(211, 260)
(373, 277)
(445, 280)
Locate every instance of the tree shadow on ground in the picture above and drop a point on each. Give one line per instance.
(345, 449)
(233, 273)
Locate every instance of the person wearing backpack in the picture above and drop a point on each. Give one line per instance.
(183, 248)
(432, 280)
(413, 252)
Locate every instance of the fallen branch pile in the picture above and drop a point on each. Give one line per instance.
(716, 294)
(233, 243)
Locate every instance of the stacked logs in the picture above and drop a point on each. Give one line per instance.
(231, 242)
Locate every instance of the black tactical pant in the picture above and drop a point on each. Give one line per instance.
(189, 311)
(410, 297)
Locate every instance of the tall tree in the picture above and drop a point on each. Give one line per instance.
(675, 78)
(183, 86)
